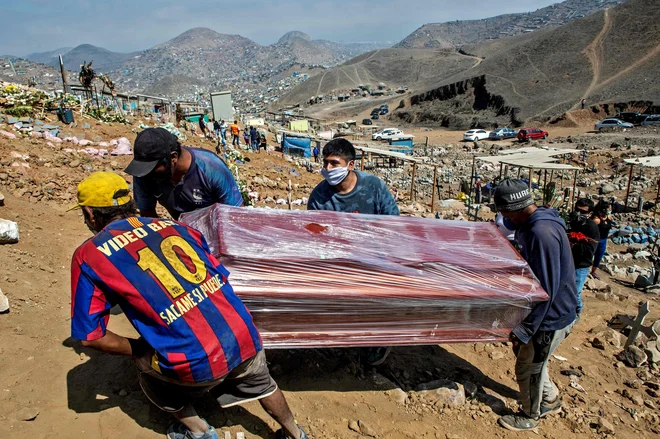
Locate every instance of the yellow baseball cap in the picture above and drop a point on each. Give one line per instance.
(103, 189)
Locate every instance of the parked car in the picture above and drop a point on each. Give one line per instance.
(503, 133)
(612, 123)
(653, 119)
(367, 122)
(384, 109)
(374, 117)
(526, 134)
(386, 134)
(473, 135)
(630, 117)
(375, 111)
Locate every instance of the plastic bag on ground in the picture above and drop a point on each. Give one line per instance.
(8, 232)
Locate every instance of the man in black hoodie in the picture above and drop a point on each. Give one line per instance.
(542, 236)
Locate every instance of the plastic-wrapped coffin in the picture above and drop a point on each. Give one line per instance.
(322, 279)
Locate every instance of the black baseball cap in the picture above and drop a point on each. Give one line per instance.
(151, 146)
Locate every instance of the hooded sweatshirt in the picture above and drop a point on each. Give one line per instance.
(545, 247)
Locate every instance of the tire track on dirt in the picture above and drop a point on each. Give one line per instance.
(513, 85)
(654, 52)
(318, 90)
(595, 54)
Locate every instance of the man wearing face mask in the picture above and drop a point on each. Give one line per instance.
(544, 244)
(347, 190)
(180, 178)
(584, 237)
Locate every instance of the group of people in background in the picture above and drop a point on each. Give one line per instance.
(217, 130)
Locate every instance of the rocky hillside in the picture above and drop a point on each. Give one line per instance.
(104, 60)
(611, 56)
(47, 57)
(454, 34)
(201, 59)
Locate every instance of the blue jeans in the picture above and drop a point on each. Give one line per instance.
(600, 252)
(580, 279)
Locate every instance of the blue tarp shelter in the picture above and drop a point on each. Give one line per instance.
(402, 145)
(300, 146)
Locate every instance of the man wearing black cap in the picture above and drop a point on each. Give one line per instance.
(541, 234)
(180, 178)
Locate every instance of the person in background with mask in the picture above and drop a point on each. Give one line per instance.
(584, 237)
(602, 216)
(180, 178)
(543, 241)
(347, 190)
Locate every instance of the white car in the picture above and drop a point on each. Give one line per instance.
(473, 135)
(387, 133)
(612, 123)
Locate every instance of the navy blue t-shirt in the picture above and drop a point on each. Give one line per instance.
(208, 181)
(370, 195)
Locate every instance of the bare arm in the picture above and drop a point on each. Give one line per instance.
(112, 343)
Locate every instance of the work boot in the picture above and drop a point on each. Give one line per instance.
(180, 431)
(518, 422)
(551, 408)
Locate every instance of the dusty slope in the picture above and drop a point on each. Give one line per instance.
(455, 34)
(610, 56)
(395, 67)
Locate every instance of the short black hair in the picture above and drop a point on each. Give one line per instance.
(340, 147)
(104, 215)
(602, 207)
(585, 202)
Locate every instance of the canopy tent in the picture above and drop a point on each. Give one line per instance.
(534, 158)
(647, 162)
(300, 146)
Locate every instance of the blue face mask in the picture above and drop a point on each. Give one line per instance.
(509, 224)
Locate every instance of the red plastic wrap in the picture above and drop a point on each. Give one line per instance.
(322, 279)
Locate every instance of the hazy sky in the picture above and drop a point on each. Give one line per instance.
(130, 25)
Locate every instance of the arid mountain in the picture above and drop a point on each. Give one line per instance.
(218, 61)
(419, 70)
(455, 34)
(104, 60)
(48, 57)
(294, 34)
(608, 57)
(201, 59)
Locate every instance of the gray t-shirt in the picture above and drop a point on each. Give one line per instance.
(370, 195)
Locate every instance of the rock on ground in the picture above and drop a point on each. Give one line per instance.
(4, 303)
(605, 426)
(444, 392)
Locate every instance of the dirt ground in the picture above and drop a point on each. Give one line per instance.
(77, 392)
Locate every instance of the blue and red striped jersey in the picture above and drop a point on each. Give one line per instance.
(172, 289)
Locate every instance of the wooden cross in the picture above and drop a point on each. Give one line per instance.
(637, 325)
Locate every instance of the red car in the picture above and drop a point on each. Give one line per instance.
(526, 134)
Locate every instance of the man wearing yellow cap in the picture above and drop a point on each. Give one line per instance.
(196, 334)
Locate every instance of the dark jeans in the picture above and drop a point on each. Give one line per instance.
(600, 252)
